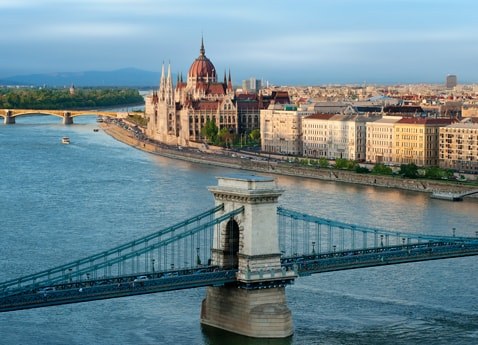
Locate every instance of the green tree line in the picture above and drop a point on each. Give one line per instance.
(45, 98)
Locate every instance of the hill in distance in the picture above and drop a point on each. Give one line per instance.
(126, 77)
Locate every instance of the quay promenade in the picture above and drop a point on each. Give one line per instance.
(262, 164)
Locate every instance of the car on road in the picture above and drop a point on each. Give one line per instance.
(46, 290)
(141, 279)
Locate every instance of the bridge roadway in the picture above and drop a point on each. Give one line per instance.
(153, 282)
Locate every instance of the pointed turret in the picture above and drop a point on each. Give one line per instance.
(169, 96)
(229, 82)
(161, 81)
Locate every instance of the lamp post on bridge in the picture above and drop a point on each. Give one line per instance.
(198, 259)
(454, 231)
(313, 247)
(152, 263)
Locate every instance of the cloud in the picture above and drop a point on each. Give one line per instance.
(86, 29)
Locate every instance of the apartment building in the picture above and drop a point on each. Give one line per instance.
(281, 129)
(335, 136)
(379, 145)
(416, 140)
(459, 146)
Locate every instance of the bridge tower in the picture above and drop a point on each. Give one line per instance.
(256, 305)
(9, 119)
(67, 119)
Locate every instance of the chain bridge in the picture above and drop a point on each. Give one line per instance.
(9, 115)
(246, 250)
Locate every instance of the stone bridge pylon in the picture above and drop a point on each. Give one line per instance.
(256, 306)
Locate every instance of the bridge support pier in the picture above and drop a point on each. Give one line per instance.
(254, 313)
(255, 305)
(67, 119)
(9, 119)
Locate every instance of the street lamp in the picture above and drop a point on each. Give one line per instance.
(313, 247)
(381, 240)
(198, 259)
(152, 263)
(454, 231)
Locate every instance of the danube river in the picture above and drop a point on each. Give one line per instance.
(63, 202)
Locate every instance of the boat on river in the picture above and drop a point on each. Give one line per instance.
(65, 140)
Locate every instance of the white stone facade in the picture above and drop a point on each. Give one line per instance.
(281, 129)
(459, 147)
(335, 136)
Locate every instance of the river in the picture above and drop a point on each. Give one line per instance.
(62, 202)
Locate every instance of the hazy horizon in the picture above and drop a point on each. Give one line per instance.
(312, 42)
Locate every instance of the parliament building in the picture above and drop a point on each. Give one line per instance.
(176, 114)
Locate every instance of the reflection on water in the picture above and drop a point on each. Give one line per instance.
(63, 202)
(216, 336)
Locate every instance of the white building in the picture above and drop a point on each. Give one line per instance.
(281, 129)
(335, 136)
(459, 146)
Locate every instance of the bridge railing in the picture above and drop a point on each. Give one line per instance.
(303, 234)
(186, 244)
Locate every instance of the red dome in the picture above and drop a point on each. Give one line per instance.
(202, 67)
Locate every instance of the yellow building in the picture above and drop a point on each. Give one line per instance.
(416, 140)
(380, 137)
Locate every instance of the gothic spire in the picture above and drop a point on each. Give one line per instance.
(162, 80)
(202, 51)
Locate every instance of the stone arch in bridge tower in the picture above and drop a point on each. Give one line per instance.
(231, 243)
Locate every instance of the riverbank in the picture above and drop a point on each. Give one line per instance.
(281, 168)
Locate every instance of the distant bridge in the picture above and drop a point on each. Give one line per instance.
(67, 116)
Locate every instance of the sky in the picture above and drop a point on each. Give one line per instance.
(284, 42)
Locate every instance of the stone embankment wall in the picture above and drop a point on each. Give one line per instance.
(284, 168)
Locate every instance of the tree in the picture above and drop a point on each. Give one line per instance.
(361, 170)
(382, 169)
(409, 170)
(210, 131)
(438, 173)
(255, 135)
(225, 137)
(323, 162)
(346, 164)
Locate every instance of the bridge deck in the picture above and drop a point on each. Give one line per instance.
(310, 264)
(78, 291)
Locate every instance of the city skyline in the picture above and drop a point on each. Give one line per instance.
(308, 42)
